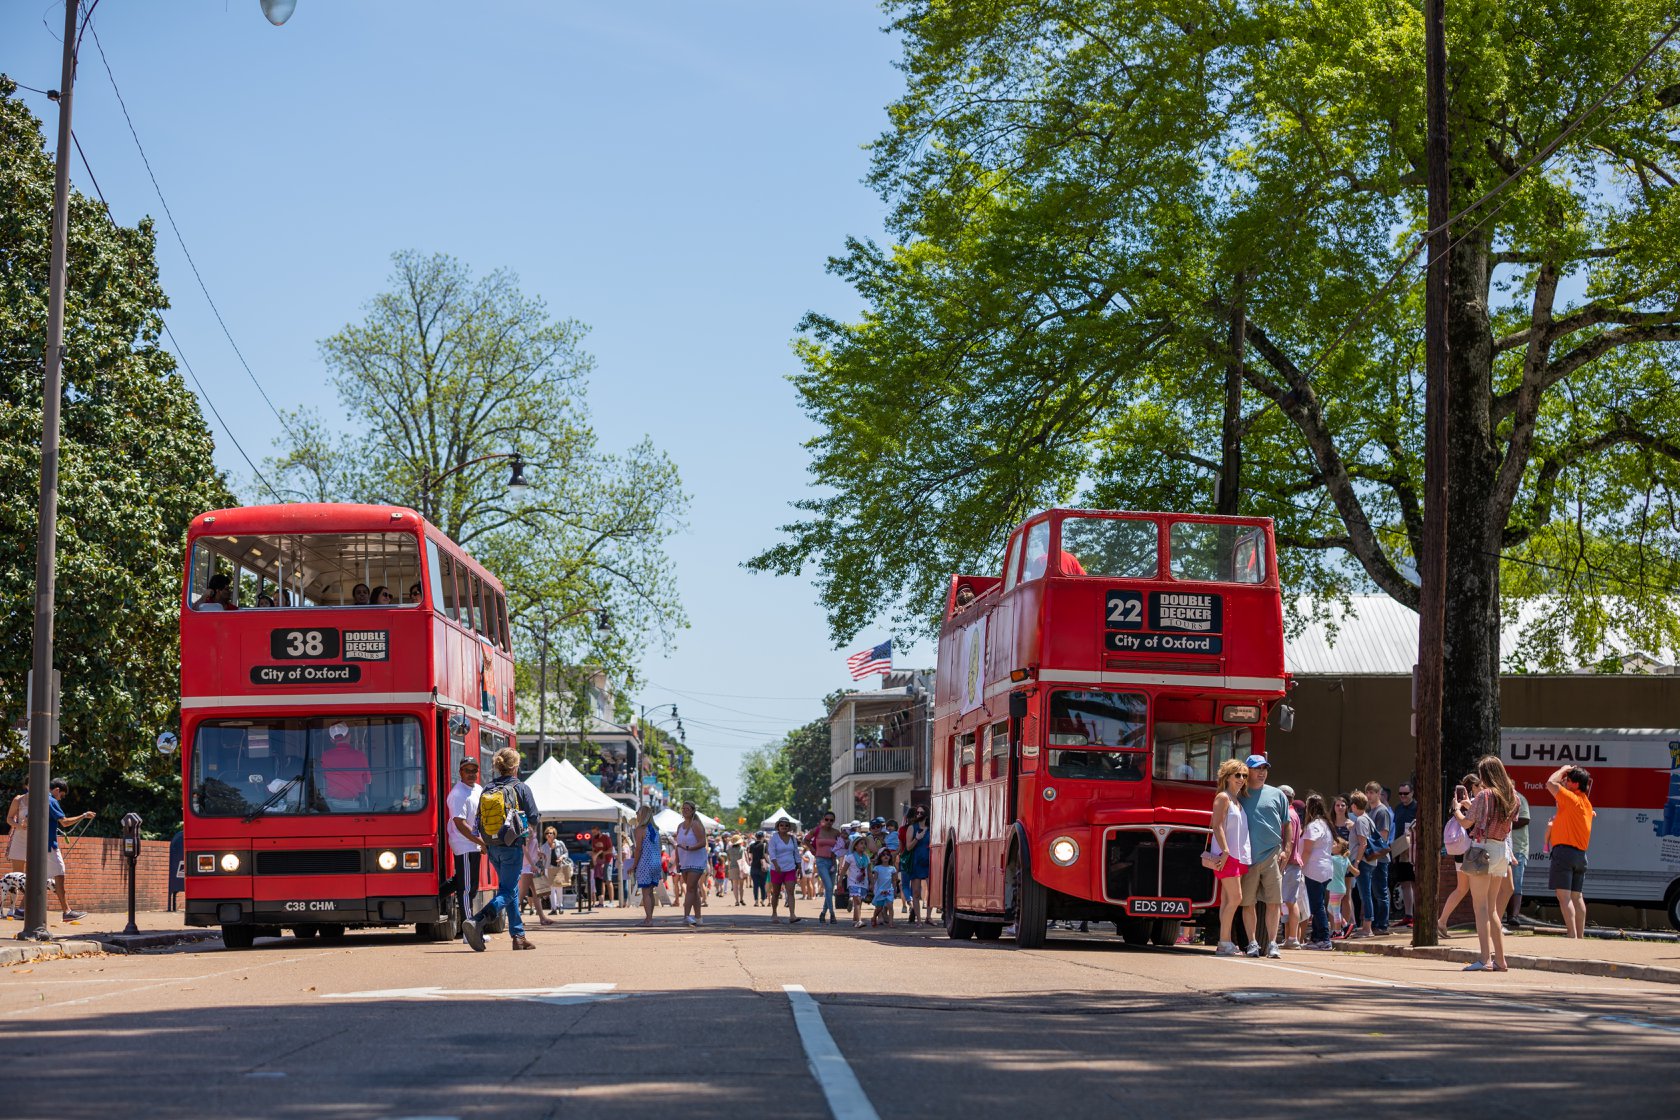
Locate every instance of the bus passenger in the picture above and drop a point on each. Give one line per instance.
(413, 595)
(361, 594)
(218, 594)
(1229, 848)
(345, 767)
(382, 597)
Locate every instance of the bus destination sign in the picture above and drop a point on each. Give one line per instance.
(1163, 622)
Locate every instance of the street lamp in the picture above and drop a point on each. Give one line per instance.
(516, 476)
(603, 622)
(278, 11)
(634, 765)
(43, 701)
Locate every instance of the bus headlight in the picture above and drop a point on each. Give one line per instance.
(387, 861)
(230, 862)
(1064, 850)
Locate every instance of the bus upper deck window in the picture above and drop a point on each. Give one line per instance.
(1217, 553)
(1038, 551)
(1122, 548)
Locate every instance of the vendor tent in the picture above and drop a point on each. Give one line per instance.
(563, 793)
(779, 815)
(667, 820)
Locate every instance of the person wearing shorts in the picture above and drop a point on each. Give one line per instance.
(784, 869)
(1267, 813)
(1570, 834)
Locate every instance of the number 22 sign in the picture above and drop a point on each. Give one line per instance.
(1124, 610)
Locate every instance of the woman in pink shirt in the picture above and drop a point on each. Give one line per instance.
(828, 845)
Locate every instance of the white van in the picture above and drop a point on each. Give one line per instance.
(1634, 857)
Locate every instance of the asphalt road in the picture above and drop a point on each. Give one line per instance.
(607, 1019)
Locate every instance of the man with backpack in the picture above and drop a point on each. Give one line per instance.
(506, 809)
(1381, 853)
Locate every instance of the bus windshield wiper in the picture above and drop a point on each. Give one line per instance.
(275, 797)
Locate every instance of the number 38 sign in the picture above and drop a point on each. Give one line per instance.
(303, 645)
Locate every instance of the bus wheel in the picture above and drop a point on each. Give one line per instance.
(303, 933)
(1136, 931)
(239, 937)
(957, 927)
(330, 933)
(1032, 904)
(447, 928)
(1166, 933)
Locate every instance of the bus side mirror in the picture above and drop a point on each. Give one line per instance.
(1017, 705)
(1286, 718)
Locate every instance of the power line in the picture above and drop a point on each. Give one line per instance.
(169, 214)
(728, 695)
(110, 217)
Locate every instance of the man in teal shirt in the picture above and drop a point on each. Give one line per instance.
(1267, 812)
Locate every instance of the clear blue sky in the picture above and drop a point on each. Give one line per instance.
(672, 173)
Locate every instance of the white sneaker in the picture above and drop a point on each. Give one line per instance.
(1273, 952)
(1292, 943)
(1253, 949)
(1227, 949)
(1008, 931)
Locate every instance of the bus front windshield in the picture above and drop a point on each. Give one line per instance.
(291, 767)
(1097, 736)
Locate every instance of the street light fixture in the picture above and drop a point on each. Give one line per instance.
(278, 11)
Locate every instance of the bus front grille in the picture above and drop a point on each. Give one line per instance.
(1156, 862)
(326, 862)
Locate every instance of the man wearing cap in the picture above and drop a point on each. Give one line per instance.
(344, 767)
(1267, 812)
(465, 845)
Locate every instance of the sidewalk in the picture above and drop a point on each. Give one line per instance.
(98, 932)
(1655, 961)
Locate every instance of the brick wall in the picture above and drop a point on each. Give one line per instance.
(98, 874)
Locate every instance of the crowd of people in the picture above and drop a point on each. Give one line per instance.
(1301, 873)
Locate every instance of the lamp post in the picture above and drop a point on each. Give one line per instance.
(634, 765)
(43, 697)
(604, 623)
(516, 479)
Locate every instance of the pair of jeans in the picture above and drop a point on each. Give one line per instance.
(1362, 887)
(508, 861)
(1380, 900)
(825, 872)
(1318, 899)
(759, 881)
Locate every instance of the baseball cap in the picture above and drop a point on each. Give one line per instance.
(1288, 791)
(1254, 760)
(338, 731)
(878, 822)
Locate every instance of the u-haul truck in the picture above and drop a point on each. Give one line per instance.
(1634, 858)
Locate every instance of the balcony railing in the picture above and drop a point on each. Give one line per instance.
(874, 760)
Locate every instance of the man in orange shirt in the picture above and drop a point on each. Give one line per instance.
(1570, 833)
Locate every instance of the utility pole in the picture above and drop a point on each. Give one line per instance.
(1432, 566)
(42, 713)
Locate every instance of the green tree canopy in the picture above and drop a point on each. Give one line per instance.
(1105, 212)
(447, 376)
(136, 467)
(765, 783)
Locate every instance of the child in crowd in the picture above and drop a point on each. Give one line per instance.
(1341, 915)
(884, 893)
(857, 882)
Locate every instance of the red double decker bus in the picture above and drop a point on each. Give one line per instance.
(1083, 702)
(337, 663)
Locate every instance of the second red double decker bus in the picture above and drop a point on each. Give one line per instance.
(337, 664)
(1083, 702)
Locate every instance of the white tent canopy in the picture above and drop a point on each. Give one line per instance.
(667, 820)
(779, 815)
(563, 793)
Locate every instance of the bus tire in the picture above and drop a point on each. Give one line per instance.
(957, 927)
(331, 933)
(447, 927)
(239, 936)
(1165, 933)
(1136, 931)
(1032, 903)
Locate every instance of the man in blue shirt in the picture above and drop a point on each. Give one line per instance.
(1267, 812)
(56, 820)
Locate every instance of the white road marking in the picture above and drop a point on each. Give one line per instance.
(563, 996)
(839, 1084)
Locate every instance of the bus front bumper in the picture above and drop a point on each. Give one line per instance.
(377, 911)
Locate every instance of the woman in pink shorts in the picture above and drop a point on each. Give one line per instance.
(1229, 847)
(784, 869)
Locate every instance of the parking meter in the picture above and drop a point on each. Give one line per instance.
(131, 852)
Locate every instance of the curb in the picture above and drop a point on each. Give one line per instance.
(138, 942)
(1572, 966)
(48, 950)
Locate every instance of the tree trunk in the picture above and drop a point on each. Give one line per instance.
(1470, 704)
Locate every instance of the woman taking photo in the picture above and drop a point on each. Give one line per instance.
(1488, 820)
(691, 862)
(645, 859)
(1468, 787)
(914, 862)
(1229, 848)
(828, 845)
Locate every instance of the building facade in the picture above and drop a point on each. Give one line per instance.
(881, 747)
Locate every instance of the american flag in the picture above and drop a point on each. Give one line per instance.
(875, 660)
